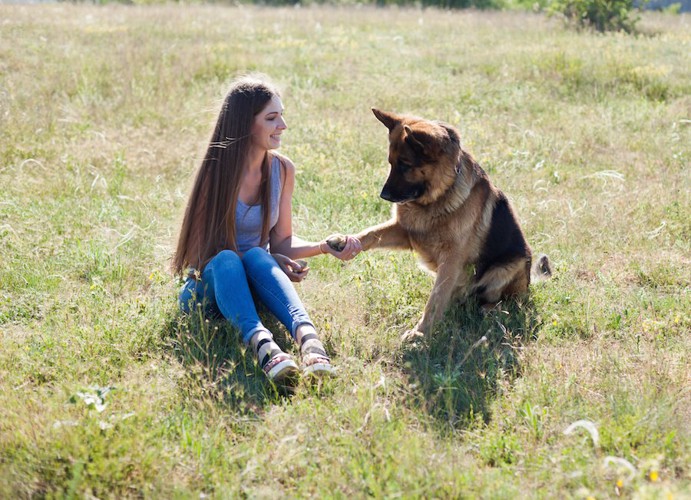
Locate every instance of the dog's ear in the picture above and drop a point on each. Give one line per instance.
(414, 142)
(390, 120)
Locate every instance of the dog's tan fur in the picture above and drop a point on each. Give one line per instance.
(447, 210)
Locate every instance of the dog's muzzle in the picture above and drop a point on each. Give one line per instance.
(410, 195)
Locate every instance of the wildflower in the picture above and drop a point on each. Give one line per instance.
(654, 476)
(618, 487)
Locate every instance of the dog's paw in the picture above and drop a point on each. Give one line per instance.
(337, 242)
(412, 335)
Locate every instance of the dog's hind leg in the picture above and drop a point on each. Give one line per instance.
(502, 281)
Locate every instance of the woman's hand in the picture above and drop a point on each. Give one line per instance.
(296, 270)
(349, 246)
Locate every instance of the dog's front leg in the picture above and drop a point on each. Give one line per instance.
(389, 234)
(450, 279)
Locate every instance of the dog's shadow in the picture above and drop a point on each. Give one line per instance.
(217, 365)
(458, 370)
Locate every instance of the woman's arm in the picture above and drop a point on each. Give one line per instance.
(281, 238)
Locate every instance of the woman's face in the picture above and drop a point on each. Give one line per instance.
(268, 125)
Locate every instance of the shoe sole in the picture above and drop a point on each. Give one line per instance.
(285, 373)
(319, 370)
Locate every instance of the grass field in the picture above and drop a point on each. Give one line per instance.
(106, 391)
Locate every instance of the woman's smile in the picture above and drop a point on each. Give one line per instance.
(269, 124)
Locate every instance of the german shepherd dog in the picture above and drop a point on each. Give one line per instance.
(446, 209)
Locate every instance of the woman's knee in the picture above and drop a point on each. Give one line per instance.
(225, 259)
(255, 253)
(257, 256)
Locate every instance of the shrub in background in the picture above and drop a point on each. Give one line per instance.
(601, 15)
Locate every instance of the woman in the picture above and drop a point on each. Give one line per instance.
(236, 243)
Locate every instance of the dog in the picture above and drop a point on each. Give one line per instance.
(447, 210)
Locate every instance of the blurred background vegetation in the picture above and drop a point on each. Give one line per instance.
(599, 15)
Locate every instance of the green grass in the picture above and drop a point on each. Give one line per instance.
(107, 391)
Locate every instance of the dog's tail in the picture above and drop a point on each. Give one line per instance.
(541, 269)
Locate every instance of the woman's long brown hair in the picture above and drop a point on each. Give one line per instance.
(209, 223)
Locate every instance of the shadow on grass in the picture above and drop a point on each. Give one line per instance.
(458, 369)
(218, 365)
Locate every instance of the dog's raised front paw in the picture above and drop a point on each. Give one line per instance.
(337, 242)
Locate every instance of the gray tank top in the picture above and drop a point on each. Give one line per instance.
(248, 218)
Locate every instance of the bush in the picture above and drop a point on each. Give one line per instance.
(601, 15)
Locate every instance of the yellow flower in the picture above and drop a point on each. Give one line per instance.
(654, 476)
(620, 484)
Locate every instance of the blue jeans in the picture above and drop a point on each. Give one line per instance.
(227, 284)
